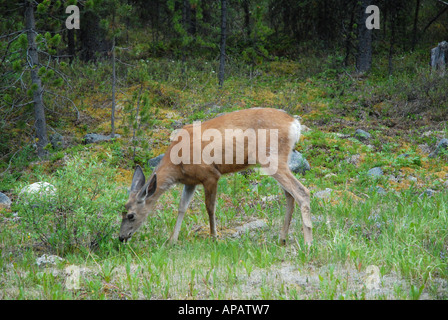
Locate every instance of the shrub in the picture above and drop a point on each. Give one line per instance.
(83, 211)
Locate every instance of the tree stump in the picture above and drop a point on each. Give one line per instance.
(439, 57)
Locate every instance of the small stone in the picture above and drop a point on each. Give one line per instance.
(297, 163)
(354, 159)
(213, 109)
(442, 145)
(5, 202)
(424, 148)
(57, 141)
(95, 137)
(393, 178)
(304, 128)
(154, 162)
(177, 124)
(48, 259)
(38, 189)
(324, 194)
(380, 190)
(362, 135)
(269, 198)
(253, 225)
(375, 172)
(428, 192)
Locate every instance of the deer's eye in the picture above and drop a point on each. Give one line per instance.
(131, 216)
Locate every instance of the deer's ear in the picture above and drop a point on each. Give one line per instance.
(138, 179)
(149, 189)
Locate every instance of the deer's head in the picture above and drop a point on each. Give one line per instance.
(139, 203)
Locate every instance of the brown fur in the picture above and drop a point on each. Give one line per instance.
(140, 203)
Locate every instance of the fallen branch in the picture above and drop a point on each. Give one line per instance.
(74, 105)
(9, 164)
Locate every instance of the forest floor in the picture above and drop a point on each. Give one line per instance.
(376, 236)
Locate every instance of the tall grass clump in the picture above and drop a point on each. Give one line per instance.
(81, 210)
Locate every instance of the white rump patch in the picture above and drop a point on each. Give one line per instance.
(294, 133)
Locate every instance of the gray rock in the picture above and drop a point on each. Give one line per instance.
(57, 141)
(48, 259)
(304, 128)
(393, 178)
(38, 189)
(424, 148)
(5, 202)
(380, 190)
(297, 163)
(95, 137)
(354, 159)
(177, 124)
(324, 194)
(404, 155)
(428, 193)
(443, 145)
(269, 198)
(362, 135)
(250, 226)
(213, 109)
(33, 194)
(375, 172)
(154, 162)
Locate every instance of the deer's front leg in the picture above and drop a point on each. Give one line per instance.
(185, 200)
(210, 189)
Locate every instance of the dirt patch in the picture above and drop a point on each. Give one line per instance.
(332, 281)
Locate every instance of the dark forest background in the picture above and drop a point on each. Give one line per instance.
(45, 67)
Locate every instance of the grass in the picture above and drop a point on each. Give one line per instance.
(403, 233)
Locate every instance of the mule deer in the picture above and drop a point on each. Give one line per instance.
(191, 162)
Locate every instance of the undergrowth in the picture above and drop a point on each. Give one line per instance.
(402, 232)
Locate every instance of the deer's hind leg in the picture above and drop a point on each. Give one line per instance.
(290, 204)
(210, 190)
(294, 190)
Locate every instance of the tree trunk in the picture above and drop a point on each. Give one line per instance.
(92, 36)
(112, 117)
(71, 44)
(392, 42)
(186, 4)
(39, 111)
(348, 42)
(364, 59)
(414, 29)
(246, 8)
(222, 60)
